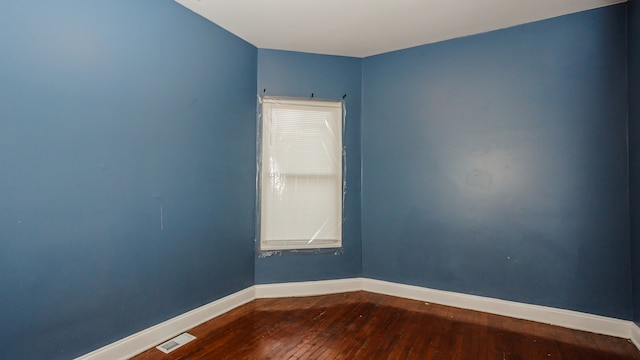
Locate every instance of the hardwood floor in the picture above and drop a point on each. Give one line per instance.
(362, 325)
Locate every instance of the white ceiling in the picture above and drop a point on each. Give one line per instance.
(362, 28)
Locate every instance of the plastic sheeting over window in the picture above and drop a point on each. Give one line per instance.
(300, 174)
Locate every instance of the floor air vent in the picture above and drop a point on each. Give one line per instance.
(175, 343)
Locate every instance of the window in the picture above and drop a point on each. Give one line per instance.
(300, 174)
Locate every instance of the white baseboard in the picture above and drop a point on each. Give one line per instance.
(308, 288)
(548, 315)
(148, 338)
(152, 336)
(634, 334)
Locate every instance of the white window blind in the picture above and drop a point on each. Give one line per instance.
(301, 174)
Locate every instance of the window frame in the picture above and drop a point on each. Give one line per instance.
(264, 174)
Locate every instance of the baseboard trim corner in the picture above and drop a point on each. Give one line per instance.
(634, 334)
(145, 339)
(148, 338)
(308, 288)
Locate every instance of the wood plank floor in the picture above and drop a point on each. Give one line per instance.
(362, 325)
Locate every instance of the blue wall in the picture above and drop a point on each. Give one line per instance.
(633, 38)
(496, 164)
(493, 165)
(284, 73)
(109, 111)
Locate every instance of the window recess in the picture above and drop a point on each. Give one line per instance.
(300, 179)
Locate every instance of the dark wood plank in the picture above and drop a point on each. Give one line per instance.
(361, 325)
